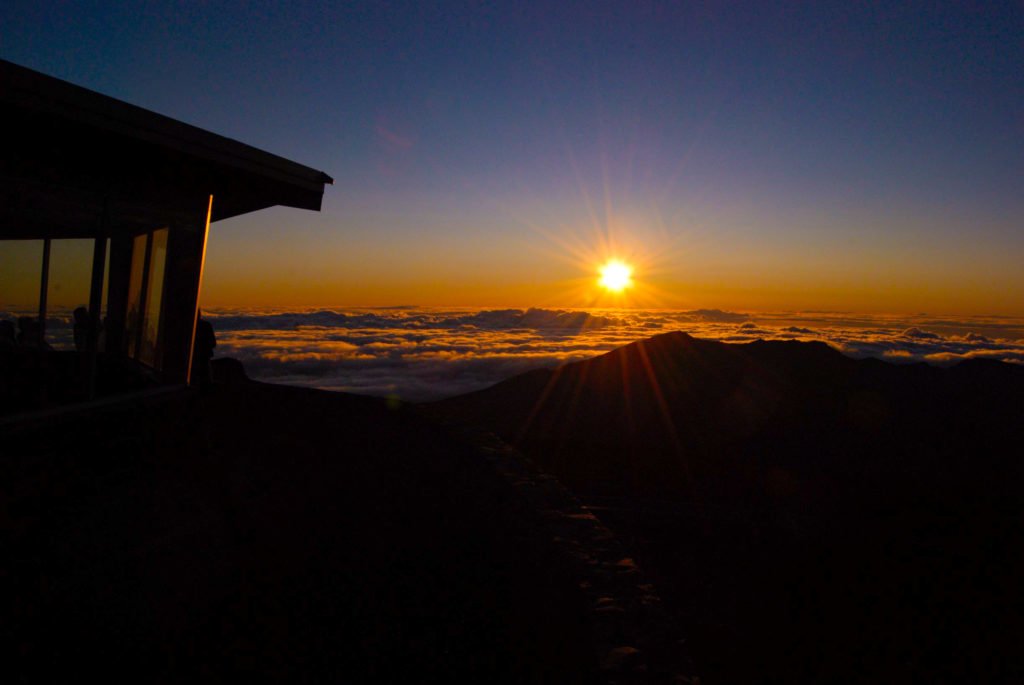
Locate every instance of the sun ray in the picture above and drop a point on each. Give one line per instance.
(665, 412)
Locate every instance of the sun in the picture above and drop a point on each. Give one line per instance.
(616, 276)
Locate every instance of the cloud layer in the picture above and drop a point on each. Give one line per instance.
(420, 354)
(424, 354)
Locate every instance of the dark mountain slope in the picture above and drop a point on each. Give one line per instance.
(665, 414)
(811, 517)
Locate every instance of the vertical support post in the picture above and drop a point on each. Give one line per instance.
(186, 257)
(99, 258)
(117, 295)
(44, 287)
(143, 297)
(199, 290)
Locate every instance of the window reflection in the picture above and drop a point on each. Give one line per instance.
(20, 272)
(149, 350)
(69, 283)
(132, 322)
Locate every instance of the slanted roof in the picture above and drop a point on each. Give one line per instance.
(70, 153)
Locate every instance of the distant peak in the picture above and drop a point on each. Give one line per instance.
(672, 335)
(818, 345)
(669, 339)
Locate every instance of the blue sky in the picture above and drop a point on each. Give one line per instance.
(750, 151)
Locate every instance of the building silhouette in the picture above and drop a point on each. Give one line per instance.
(144, 188)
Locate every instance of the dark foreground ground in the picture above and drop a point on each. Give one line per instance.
(277, 533)
(808, 518)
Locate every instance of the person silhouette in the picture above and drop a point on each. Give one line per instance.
(206, 340)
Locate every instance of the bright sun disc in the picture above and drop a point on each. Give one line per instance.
(616, 276)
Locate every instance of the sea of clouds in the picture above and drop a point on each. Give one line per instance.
(420, 354)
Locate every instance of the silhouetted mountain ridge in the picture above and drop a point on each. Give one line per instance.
(811, 517)
(643, 416)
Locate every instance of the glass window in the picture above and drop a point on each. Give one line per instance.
(132, 321)
(21, 267)
(68, 286)
(68, 289)
(149, 351)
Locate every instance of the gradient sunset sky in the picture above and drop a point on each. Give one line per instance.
(852, 156)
